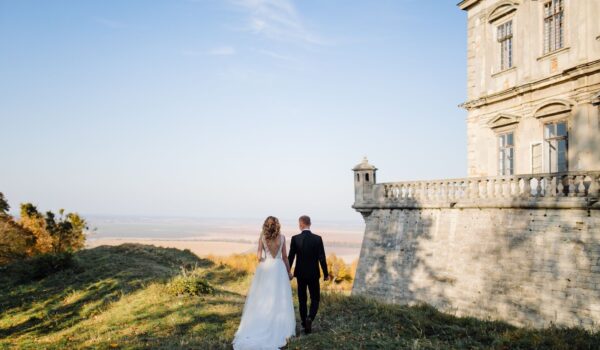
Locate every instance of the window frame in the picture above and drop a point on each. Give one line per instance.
(508, 39)
(500, 160)
(546, 159)
(549, 43)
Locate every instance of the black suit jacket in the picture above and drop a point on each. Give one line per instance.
(310, 251)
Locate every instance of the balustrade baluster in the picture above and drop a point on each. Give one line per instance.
(477, 192)
(594, 190)
(538, 186)
(526, 187)
(443, 189)
(507, 188)
(560, 187)
(581, 187)
(513, 184)
(469, 192)
(496, 191)
(572, 188)
(548, 188)
(484, 188)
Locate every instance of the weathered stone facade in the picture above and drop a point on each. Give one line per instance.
(539, 87)
(520, 248)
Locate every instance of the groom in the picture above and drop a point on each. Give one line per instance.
(310, 251)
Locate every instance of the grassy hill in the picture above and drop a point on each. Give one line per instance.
(116, 298)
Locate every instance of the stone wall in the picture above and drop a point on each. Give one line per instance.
(524, 249)
(524, 266)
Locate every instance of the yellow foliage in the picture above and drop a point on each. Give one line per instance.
(16, 242)
(343, 274)
(241, 262)
(36, 225)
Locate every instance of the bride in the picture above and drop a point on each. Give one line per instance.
(268, 319)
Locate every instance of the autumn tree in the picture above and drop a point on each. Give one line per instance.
(4, 207)
(338, 269)
(31, 219)
(67, 232)
(35, 234)
(16, 242)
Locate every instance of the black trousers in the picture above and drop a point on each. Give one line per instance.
(315, 296)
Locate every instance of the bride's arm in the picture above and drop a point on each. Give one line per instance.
(259, 251)
(285, 258)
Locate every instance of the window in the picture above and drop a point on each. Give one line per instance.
(553, 25)
(506, 154)
(505, 37)
(556, 139)
(536, 158)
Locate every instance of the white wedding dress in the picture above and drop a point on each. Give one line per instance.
(268, 319)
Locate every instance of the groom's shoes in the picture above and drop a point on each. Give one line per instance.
(308, 326)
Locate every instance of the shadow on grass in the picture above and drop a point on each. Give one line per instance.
(360, 323)
(103, 275)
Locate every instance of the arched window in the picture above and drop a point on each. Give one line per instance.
(367, 177)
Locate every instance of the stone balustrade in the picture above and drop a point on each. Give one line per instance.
(555, 189)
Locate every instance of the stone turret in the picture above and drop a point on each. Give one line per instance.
(364, 180)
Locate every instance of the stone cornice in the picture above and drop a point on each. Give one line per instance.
(467, 4)
(544, 203)
(566, 75)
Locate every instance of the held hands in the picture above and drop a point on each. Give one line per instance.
(290, 275)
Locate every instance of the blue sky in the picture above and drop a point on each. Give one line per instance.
(241, 108)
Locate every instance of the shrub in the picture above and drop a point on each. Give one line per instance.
(16, 242)
(47, 264)
(188, 283)
(37, 268)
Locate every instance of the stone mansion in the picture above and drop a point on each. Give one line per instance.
(533, 76)
(519, 238)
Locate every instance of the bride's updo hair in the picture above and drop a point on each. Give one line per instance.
(271, 228)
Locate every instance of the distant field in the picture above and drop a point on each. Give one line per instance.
(217, 236)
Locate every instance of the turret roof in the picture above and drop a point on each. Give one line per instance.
(364, 165)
